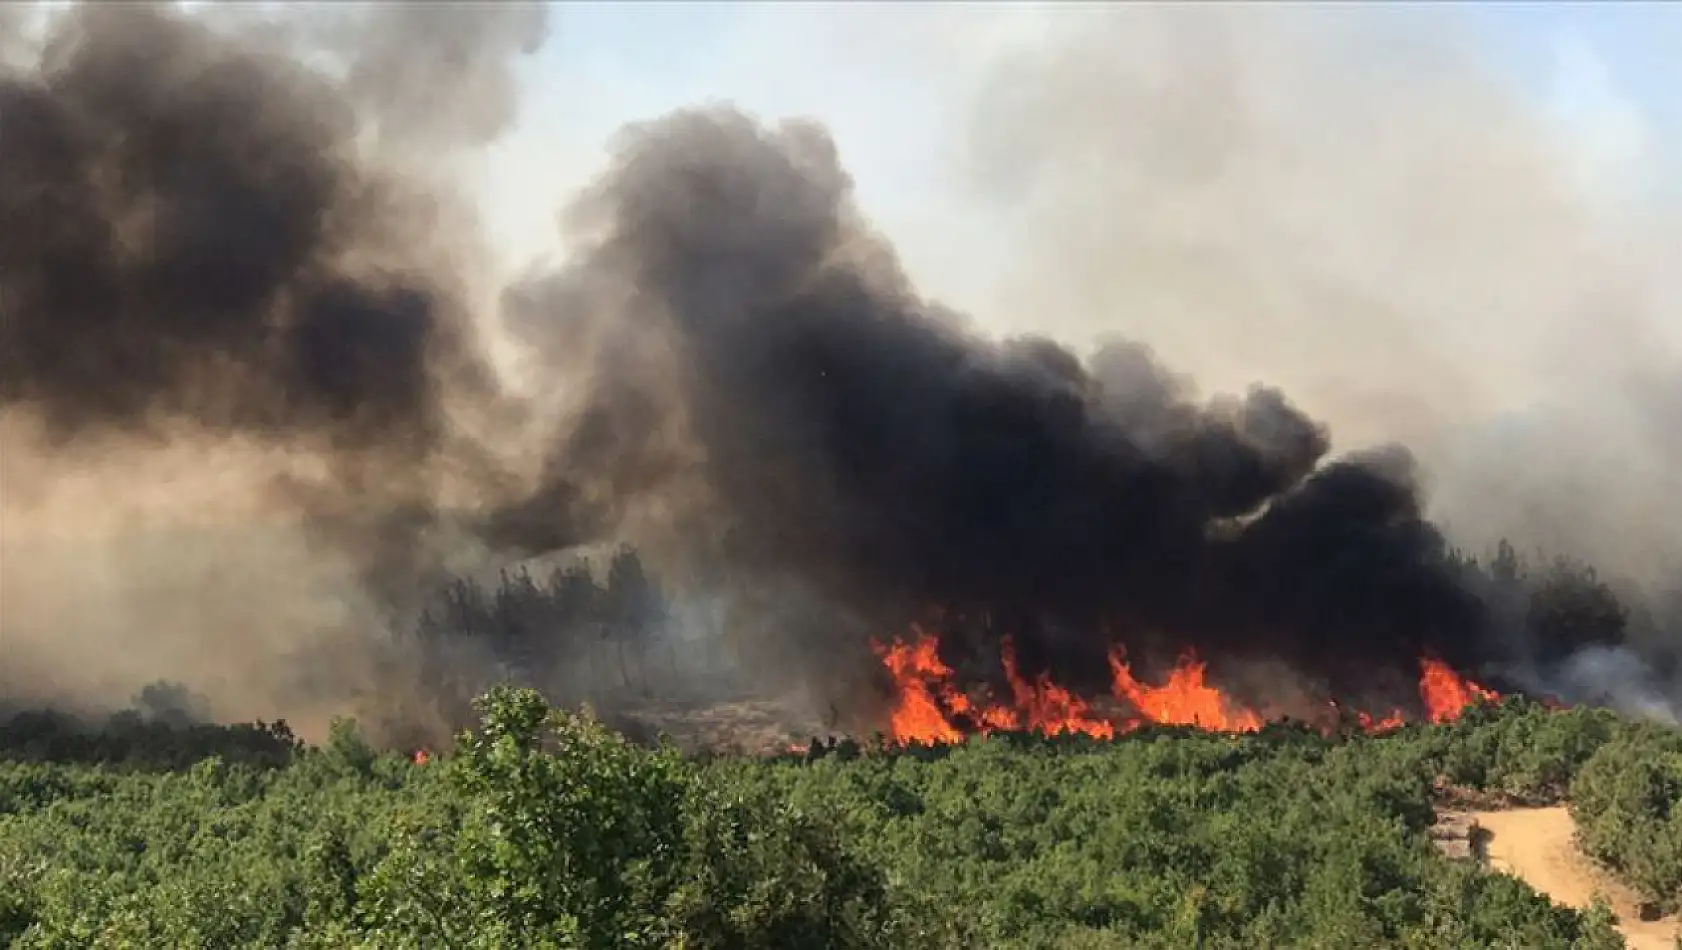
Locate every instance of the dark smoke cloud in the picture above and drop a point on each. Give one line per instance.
(209, 246)
(203, 247)
(1415, 248)
(858, 440)
(190, 237)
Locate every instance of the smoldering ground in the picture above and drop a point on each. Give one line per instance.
(215, 267)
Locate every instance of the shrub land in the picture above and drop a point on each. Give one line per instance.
(545, 829)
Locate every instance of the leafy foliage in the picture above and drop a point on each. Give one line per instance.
(545, 829)
(129, 740)
(1627, 801)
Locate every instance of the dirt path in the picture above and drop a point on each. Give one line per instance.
(1536, 844)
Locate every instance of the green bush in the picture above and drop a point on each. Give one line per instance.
(569, 836)
(1627, 801)
(545, 829)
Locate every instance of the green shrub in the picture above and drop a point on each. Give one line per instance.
(545, 829)
(1627, 801)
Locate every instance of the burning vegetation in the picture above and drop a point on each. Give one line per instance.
(725, 447)
(235, 255)
(930, 706)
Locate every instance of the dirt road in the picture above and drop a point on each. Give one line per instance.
(1536, 844)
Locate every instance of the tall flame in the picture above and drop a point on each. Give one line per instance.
(1185, 700)
(917, 673)
(1445, 693)
(930, 706)
(1048, 708)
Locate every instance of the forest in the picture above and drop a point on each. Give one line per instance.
(610, 622)
(543, 827)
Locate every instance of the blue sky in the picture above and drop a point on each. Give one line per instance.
(1555, 49)
(607, 64)
(1608, 73)
(1640, 45)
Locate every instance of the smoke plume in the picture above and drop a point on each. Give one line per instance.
(209, 281)
(1414, 247)
(852, 438)
(238, 289)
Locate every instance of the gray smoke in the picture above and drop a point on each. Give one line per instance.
(1351, 204)
(227, 321)
(237, 291)
(756, 360)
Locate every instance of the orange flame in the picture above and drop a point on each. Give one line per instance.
(1446, 694)
(918, 673)
(1050, 709)
(929, 706)
(1370, 723)
(1185, 700)
(422, 757)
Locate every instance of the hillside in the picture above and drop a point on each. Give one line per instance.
(546, 830)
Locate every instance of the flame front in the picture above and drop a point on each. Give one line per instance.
(930, 707)
(1371, 723)
(1049, 708)
(1446, 694)
(1185, 700)
(928, 703)
(918, 672)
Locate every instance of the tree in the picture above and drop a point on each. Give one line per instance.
(1570, 608)
(635, 610)
(578, 832)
